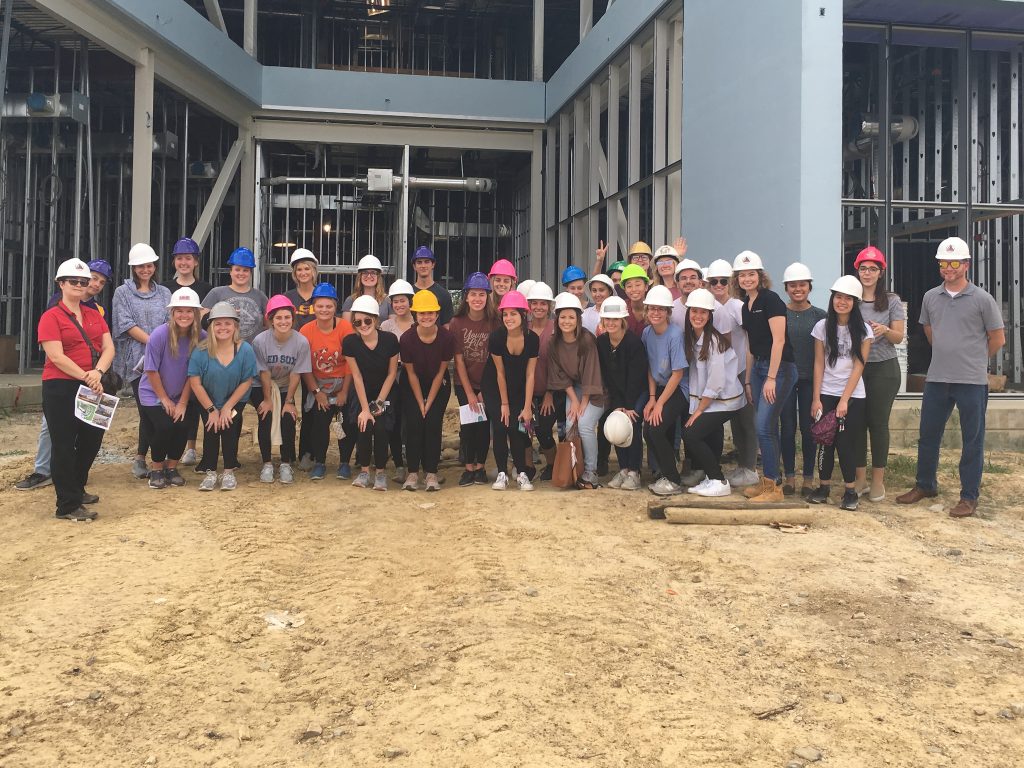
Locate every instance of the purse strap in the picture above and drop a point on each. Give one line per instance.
(81, 330)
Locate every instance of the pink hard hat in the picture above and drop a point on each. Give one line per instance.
(514, 300)
(280, 301)
(503, 267)
(870, 254)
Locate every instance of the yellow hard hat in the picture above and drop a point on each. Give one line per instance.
(425, 301)
(640, 247)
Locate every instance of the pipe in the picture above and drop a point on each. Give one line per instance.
(5, 45)
(469, 184)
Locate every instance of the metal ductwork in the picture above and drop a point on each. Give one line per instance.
(59, 106)
(379, 180)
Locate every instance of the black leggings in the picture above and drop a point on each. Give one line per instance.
(305, 433)
(544, 425)
(703, 440)
(508, 440)
(660, 438)
(423, 434)
(372, 441)
(226, 439)
(266, 426)
(397, 438)
(476, 438)
(75, 443)
(168, 436)
(846, 441)
(145, 431)
(319, 425)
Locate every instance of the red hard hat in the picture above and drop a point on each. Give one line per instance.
(869, 254)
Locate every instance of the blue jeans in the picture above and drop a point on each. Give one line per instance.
(798, 410)
(43, 451)
(936, 408)
(587, 429)
(766, 415)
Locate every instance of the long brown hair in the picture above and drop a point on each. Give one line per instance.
(881, 302)
(709, 336)
(584, 338)
(174, 334)
(379, 293)
(738, 293)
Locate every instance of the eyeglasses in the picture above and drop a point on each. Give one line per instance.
(80, 282)
(950, 264)
(638, 256)
(661, 262)
(718, 281)
(363, 322)
(868, 268)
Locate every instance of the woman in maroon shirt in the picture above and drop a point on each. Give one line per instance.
(78, 350)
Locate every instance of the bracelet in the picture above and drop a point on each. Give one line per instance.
(769, 378)
(504, 405)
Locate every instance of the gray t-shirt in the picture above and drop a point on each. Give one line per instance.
(881, 348)
(250, 306)
(385, 307)
(798, 327)
(960, 326)
(281, 359)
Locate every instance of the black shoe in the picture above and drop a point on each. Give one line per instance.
(198, 468)
(602, 469)
(819, 495)
(788, 489)
(174, 478)
(545, 474)
(467, 478)
(806, 491)
(78, 514)
(480, 476)
(89, 498)
(850, 500)
(157, 481)
(33, 481)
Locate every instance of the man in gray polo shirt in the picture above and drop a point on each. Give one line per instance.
(964, 325)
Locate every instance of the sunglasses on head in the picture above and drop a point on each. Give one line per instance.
(363, 322)
(950, 264)
(80, 282)
(718, 281)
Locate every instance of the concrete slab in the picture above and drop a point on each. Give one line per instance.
(21, 390)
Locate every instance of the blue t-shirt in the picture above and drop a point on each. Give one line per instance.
(665, 353)
(218, 380)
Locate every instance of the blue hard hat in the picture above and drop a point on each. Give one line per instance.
(186, 245)
(99, 265)
(477, 280)
(571, 274)
(423, 253)
(242, 257)
(325, 291)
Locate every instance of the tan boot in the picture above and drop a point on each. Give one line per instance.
(771, 492)
(754, 490)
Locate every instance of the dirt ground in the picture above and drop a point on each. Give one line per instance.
(325, 625)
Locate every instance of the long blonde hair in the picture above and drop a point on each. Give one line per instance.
(174, 334)
(379, 293)
(208, 342)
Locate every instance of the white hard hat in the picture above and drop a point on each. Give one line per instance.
(618, 429)
(185, 297)
(689, 264)
(73, 268)
(746, 260)
(718, 268)
(701, 298)
(369, 262)
(366, 305)
(849, 285)
(540, 292)
(221, 310)
(302, 254)
(614, 308)
(796, 271)
(953, 248)
(666, 250)
(566, 300)
(141, 253)
(659, 296)
(604, 280)
(525, 286)
(401, 288)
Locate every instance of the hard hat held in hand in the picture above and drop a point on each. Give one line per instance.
(618, 429)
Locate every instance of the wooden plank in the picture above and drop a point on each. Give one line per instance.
(729, 502)
(749, 516)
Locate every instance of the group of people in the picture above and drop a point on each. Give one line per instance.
(655, 350)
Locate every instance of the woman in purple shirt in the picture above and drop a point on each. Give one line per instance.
(164, 389)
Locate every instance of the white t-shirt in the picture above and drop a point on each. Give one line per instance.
(835, 377)
(592, 319)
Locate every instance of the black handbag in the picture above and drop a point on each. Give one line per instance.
(110, 381)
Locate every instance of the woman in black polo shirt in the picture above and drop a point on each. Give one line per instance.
(771, 367)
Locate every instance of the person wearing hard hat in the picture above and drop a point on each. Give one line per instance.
(965, 327)
(715, 392)
(666, 258)
(634, 284)
(282, 357)
(574, 368)
(574, 280)
(623, 361)
(139, 306)
(249, 302)
(369, 282)
(640, 253)
(423, 263)
(688, 278)
(400, 294)
(842, 342)
(372, 357)
(547, 405)
(503, 277)
(472, 327)
(79, 350)
(185, 260)
(885, 313)
(164, 388)
(305, 269)
(801, 317)
(600, 287)
(426, 351)
(328, 383)
(221, 370)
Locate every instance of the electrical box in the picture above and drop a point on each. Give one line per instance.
(379, 180)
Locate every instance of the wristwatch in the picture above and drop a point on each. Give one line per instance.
(317, 391)
(211, 409)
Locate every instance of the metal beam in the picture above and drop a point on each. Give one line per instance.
(247, 191)
(214, 15)
(5, 46)
(356, 133)
(538, 40)
(586, 17)
(537, 181)
(142, 147)
(249, 27)
(219, 192)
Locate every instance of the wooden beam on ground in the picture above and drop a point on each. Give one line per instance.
(748, 516)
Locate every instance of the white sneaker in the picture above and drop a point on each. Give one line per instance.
(743, 477)
(228, 481)
(524, 482)
(189, 458)
(362, 480)
(631, 482)
(286, 475)
(209, 482)
(715, 488)
(697, 488)
(665, 487)
(501, 482)
(616, 482)
(267, 473)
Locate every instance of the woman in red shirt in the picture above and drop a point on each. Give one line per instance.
(78, 350)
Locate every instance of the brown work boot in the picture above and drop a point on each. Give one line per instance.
(770, 492)
(914, 495)
(964, 508)
(756, 489)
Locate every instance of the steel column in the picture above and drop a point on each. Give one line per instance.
(249, 27)
(220, 189)
(142, 148)
(538, 40)
(1014, 288)
(538, 183)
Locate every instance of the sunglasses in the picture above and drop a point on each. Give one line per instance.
(363, 322)
(663, 262)
(718, 281)
(80, 282)
(950, 264)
